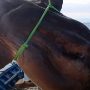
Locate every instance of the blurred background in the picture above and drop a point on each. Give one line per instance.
(77, 9)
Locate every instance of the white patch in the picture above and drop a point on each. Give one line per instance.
(35, 1)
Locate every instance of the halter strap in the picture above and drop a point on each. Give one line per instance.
(25, 45)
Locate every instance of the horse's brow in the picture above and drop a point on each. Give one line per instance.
(12, 10)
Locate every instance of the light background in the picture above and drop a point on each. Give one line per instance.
(77, 9)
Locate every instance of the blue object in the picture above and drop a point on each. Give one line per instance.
(10, 76)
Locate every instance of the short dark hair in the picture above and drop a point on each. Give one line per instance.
(56, 3)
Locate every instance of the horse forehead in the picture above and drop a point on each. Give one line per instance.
(8, 5)
(56, 3)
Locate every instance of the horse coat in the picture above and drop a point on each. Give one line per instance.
(58, 57)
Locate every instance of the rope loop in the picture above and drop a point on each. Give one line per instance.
(25, 45)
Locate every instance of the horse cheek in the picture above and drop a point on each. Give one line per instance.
(5, 56)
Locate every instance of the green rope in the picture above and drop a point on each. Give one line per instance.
(25, 45)
(37, 25)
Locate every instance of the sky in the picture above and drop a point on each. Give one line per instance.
(77, 9)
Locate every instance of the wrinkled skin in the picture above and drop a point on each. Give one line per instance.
(58, 57)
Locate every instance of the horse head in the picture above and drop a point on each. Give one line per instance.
(58, 54)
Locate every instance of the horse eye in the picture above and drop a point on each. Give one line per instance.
(82, 57)
(74, 56)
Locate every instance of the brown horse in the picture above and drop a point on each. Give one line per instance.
(58, 57)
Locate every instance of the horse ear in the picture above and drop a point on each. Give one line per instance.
(56, 3)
